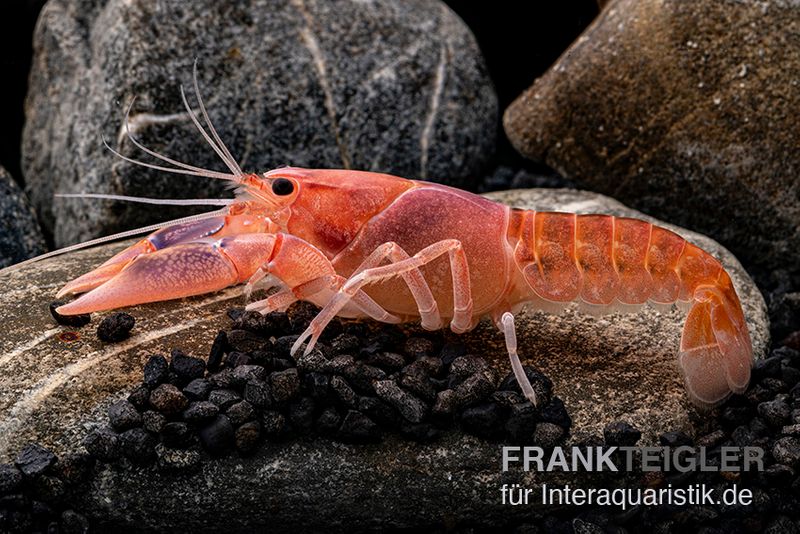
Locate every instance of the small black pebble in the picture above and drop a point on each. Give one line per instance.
(247, 436)
(419, 384)
(222, 379)
(73, 468)
(34, 459)
(140, 396)
(344, 344)
(244, 373)
(484, 420)
(675, 439)
(358, 428)
(240, 412)
(200, 412)
(464, 366)
(362, 376)
(115, 327)
(316, 385)
(328, 421)
(74, 321)
(224, 398)
(555, 412)
(244, 341)
(542, 385)
(103, 444)
(152, 421)
(187, 367)
(168, 399)
(300, 314)
(156, 371)
(388, 361)
(176, 435)
(218, 435)
(379, 411)
(283, 345)
(521, 422)
(253, 321)
(621, 434)
(218, 349)
(451, 351)
(123, 415)
(417, 347)
(138, 445)
(301, 415)
(274, 424)
(234, 313)
(285, 385)
(409, 406)
(548, 435)
(197, 389)
(236, 358)
(257, 393)
(10, 478)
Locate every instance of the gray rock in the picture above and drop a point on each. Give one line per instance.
(20, 235)
(605, 369)
(408, 405)
(399, 87)
(686, 110)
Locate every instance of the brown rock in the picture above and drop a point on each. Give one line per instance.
(687, 110)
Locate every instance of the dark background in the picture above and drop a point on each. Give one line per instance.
(519, 39)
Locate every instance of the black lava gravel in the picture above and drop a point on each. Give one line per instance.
(366, 381)
(116, 327)
(361, 383)
(34, 490)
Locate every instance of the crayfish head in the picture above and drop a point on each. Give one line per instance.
(326, 207)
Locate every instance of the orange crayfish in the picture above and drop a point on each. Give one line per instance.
(368, 245)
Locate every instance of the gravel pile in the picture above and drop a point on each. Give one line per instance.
(34, 492)
(364, 381)
(361, 382)
(767, 415)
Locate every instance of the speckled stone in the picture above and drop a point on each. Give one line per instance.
(398, 87)
(605, 369)
(20, 235)
(686, 110)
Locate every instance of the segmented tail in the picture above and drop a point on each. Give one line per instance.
(609, 263)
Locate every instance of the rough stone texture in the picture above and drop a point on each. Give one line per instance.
(20, 235)
(608, 368)
(380, 85)
(687, 110)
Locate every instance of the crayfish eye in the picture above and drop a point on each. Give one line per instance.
(282, 187)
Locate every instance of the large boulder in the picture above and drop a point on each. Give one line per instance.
(20, 235)
(686, 110)
(56, 385)
(387, 86)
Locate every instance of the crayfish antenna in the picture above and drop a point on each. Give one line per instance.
(158, 201)
(202, 172)
(229, 159)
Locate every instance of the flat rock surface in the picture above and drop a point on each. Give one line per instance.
(53, 391)
(397, 87)
(20, 235)
(685, 110)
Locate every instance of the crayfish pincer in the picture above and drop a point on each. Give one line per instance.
(368, 245)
